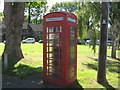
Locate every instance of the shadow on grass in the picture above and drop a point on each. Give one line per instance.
(115, 58)
(108, 86)
(22, 71)
(23, 76)
(75, 84)
(118, 59)
(112, 66)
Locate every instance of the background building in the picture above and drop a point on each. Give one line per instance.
(28, 31)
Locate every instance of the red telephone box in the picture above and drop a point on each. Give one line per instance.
(60, 48)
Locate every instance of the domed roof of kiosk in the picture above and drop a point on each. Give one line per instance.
(63, 12)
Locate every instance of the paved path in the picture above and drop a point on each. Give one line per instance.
(34, 81)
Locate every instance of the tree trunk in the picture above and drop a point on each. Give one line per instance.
(14, 17)
(113, 52)
(101, 76)
(29, 16)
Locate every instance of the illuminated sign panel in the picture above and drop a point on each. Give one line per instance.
(54, 19)
(72, 20)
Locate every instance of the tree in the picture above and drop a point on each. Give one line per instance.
(14, 18)
(118, 39)
(101, 75)
(35, 11)
(88, 15)
(114, 21)
(64, 6)
(114, 44)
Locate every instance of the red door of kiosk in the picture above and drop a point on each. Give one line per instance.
(59, 48)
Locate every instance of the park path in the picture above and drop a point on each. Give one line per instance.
(34, 81)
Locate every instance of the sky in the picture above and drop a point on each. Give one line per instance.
(50, 3)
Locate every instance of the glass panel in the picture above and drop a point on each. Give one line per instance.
(72, 36)
(60, 56)
(51, 49)
(47, 30)
(56, 56)
(60, 29)
(47, 36)
(54, 76)
(54, 36)
(50, 55)
(53, 63)
(54, 29)
(47, 42)
(72, 43)
(72, 29)
(47, 49)
(51, 70)
(54, 72)
(72, 69)
(72, 49)
(47, 62)
(72, 74)
(60, 35)
(53, 42)
(47, 74)
(72, 61)
(72, 55)
(54, 46)
(51, 29)
(72, 52)
(47, 55)
(55, 49)
(57, 29)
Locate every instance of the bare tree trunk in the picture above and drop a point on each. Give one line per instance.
(113, 52)
(14, 17)
(29, 16)
(101, 76)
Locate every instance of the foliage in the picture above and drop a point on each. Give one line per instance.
(115, 21)
(114, 12)
(88, 15)
(1, 16)
(35, 10)
(88, 21)
(64, 6)
(114, 15)
(40, 36)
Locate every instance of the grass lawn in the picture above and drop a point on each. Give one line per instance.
(87, 64)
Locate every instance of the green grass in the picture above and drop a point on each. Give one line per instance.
(29, 65)
(87, 68)
(87, 63)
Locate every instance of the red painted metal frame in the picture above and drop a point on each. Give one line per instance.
(65, 24)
